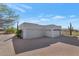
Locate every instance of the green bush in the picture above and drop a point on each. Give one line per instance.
(18, 33)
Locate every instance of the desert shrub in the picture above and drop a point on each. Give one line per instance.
(10, 30)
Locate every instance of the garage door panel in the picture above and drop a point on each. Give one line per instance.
(28, 34)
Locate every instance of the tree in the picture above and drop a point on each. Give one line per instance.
(8, 17)
(70, 29)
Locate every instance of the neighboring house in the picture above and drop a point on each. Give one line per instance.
(30, 30)
(1, 29)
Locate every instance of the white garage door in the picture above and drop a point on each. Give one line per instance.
(51, 33)
(28, 34)
(55, 33)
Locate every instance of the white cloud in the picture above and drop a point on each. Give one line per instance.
(58, 17)
(72, 16)
(26, 7)
(32, 20)
(36, 20)
(41, 15)
(44, 15)
(44, 19)
(73, 20)
(21, 8)
(48, 15)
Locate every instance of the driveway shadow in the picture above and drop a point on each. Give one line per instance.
(21, 45)
(69, 40)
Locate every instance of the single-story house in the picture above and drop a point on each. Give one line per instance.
(30, 30)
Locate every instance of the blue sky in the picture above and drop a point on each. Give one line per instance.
(48, 13)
